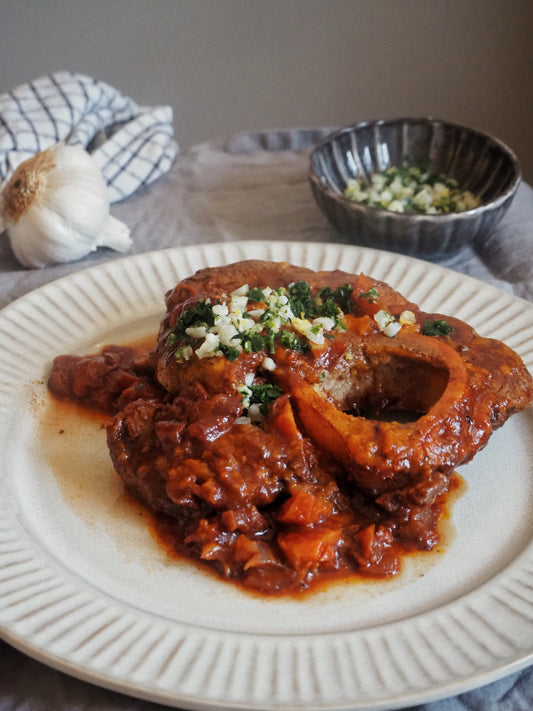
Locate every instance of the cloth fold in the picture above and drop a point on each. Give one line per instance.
(133, 145)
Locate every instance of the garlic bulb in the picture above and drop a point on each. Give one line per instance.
(55, 208)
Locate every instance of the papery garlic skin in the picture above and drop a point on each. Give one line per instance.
(55, 208)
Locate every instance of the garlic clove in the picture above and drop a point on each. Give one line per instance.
(115, 235)
(55, 208)
(42, 239)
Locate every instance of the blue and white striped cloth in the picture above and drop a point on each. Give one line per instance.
(132, 145)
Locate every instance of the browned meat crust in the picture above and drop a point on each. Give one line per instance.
(464, 386)
(106, 381)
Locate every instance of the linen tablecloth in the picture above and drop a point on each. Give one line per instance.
(250, 186)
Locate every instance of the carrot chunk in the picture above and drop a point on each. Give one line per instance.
(309, 548)
(283, 419)
(303, 508)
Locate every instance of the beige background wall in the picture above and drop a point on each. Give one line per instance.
(234, 65)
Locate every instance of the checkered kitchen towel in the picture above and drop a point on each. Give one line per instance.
(132, 145)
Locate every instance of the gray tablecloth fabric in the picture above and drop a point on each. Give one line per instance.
(250, 187)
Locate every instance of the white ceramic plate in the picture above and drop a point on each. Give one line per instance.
(84, 588)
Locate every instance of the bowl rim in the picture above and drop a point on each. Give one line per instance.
(382, 211)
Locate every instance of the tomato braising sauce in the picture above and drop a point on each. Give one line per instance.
(259, 505)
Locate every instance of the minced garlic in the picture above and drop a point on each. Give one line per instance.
(411, 190)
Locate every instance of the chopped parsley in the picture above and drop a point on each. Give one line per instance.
(340, 297)
(253, 343)
(327, 303)
(264, 396)
(255, 294)
(301, 300)
(290, 340)
(371, 295)
(257, 397)
(201, 314)
(438, 327)
(231, 352)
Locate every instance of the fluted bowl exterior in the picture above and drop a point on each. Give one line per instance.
(477, 161)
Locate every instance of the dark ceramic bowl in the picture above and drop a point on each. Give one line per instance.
(478, 162)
